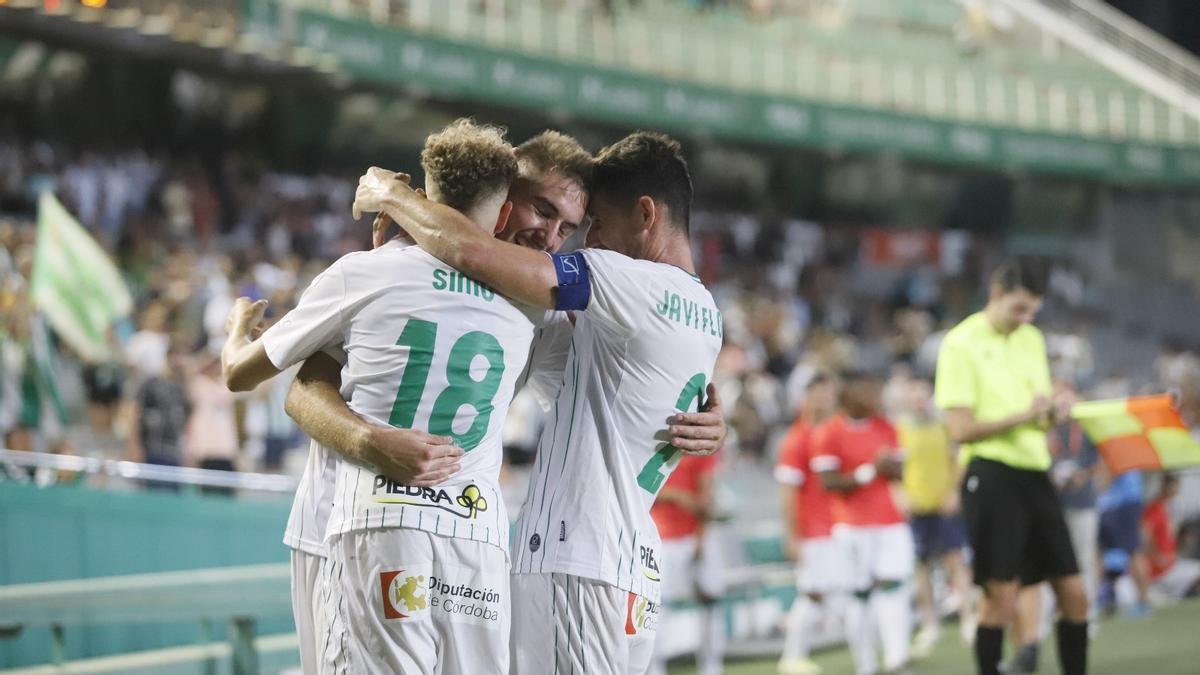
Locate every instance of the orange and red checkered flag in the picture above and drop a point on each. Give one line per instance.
(1143, 432)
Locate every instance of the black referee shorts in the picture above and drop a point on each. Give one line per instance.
(1015, 525)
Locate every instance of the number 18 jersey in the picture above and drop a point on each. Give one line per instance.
(643, 348)
(431, 349)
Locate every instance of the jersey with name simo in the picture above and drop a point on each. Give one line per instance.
(642, 349)
(427, 348)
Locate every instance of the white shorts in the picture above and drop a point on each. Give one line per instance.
(563, 624)
(685, 577)
(1179, 579)
(877, 553)
(306, 607)
(823, 566)
(407, 601)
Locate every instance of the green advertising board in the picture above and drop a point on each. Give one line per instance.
(392, 56)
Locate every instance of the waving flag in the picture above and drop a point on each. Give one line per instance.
(1144, 432)
(75, 284)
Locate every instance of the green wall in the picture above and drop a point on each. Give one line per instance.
(57, 533)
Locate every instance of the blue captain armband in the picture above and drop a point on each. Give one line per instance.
(574, 281)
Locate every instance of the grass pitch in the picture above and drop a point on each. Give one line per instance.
(1166, 643)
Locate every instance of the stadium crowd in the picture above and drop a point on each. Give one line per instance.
(801, 300)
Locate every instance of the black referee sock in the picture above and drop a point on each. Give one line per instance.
(1072, 647)
(989, 647)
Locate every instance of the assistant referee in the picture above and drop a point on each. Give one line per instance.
(993, 382)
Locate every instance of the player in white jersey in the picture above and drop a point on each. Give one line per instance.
(417, 581)
(423, 458)
(646, 336)
(548, 197)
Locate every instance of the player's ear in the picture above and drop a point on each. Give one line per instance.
(502, 219)
(647, 211)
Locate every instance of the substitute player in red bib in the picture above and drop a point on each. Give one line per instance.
(691, 555)
(808, 513)
(857, 456)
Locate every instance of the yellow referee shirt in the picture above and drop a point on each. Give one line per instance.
(996, 376)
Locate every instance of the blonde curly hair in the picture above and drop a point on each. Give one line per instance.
(466, 163)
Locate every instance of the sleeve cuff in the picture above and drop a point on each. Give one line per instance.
(789, 475)
(276, 352)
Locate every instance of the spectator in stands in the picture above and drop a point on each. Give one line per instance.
(279, 432)
(1171, 577)
(146, 351)
(931, 485)
(160, 411)
(212, 439)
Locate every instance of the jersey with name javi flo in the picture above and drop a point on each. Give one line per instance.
(431, 349)
(642, 349)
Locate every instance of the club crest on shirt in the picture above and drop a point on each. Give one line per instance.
(404, 594)
(469, 503)
(641, 615)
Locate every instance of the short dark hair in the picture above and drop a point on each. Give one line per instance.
(552, 151)
(1021, 272)
(650, 164)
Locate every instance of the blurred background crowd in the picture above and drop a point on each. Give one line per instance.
(799, 298)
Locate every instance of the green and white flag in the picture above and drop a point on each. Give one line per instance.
(75, 284)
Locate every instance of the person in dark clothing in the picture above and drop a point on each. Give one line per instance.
(160, 414)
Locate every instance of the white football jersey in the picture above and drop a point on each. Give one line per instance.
(643, 348)
(543, 377)
(426, 348)
(286, 344)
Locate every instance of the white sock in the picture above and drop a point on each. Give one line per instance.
(860, 636)
(800, 622)
(711, 655)
(892, 608)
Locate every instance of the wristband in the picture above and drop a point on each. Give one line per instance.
(864, 474)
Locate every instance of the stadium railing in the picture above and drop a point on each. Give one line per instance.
(238, 597)
(184, 476)
(1126, 48)
(1134, 39)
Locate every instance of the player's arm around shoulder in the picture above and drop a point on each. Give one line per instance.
(519, 273)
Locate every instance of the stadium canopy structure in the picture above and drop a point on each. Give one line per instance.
(1043, 86)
